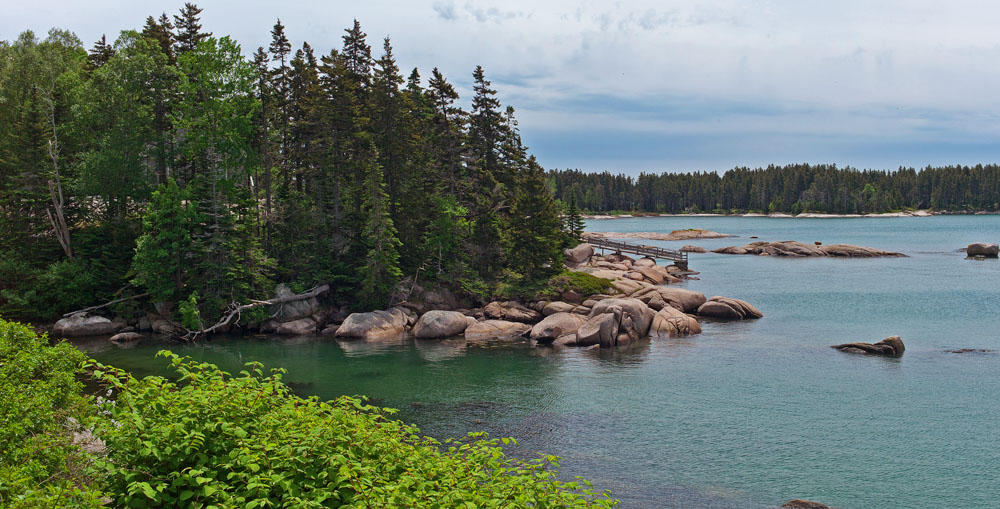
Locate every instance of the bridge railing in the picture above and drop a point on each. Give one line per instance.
(652, 251)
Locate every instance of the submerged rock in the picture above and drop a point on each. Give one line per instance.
(798, 249)
(125, 337)
(441, 324)
(81, 324)
(729, 309)
(891, 346)
(373, 325)
(803, 504)
(983, 249)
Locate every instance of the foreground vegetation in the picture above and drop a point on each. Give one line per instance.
(171, 163)
(209, 438)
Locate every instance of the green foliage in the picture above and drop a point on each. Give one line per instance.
(39, 393)
(247, 441)
(190, 316)
(47, 293)
(163, 252)
(579, 282)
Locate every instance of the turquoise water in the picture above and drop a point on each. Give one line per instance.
(747, 414)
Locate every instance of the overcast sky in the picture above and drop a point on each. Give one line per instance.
(663, 86)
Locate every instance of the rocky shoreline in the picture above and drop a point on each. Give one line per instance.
(638, 303)
(792, 248)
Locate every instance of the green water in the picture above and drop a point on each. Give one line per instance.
(747, 414)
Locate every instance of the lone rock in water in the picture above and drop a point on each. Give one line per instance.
(891, 346)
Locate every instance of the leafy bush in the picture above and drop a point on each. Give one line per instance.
(39, 393)
(62, 286)
(247, 441)
(580, 282)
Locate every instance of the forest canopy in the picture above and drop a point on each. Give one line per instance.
(165, 161)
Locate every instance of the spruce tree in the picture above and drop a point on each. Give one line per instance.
(572, 222)
(380, 271)
(188, 25)
(100, 53)
(535, 247)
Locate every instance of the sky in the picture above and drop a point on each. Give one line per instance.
(653, 86)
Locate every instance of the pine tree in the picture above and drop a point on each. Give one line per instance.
(162, 32)
(381, 271)
(188, 26)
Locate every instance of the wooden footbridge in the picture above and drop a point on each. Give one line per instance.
(679, 258)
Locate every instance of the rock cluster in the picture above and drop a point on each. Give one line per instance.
(82, 324)
(798, 249)
(891, 347)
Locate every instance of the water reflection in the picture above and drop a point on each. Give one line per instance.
(436, 350)
(366, 347)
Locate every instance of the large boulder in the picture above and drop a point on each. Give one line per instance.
(556, 325)
(685, 300)
(373, 325)
(441, 324)
(725, 308)
(82, 324)
(597, 330)
(288, 311)
(420, 299)
(983, 249)
(496, 329)
(891, 346)
(511, 311)
(671, 323)
(299, 327)
(644, 262)
(580, 254)
(615, 322)
(557, 307)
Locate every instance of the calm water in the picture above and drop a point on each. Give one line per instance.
(747, 414)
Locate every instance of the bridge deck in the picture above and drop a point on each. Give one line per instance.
(679, 258)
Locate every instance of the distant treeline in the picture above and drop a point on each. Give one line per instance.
(792, 189)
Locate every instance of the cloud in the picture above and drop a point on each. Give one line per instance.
(714, 79)
(445, 10)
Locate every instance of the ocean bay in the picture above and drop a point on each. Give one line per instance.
(746, 414)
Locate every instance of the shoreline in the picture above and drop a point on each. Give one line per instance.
(803, 215)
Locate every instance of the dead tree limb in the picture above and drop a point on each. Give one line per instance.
(236, 310)
(106, 304)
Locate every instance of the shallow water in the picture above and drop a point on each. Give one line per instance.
(747, 414)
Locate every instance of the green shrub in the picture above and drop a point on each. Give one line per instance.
(39, 393)
(247, 441)
(579, 282)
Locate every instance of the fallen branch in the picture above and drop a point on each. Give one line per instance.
(236, 310)
(106, 304)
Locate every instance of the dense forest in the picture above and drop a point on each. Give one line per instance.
(792, 189)
(169, 164)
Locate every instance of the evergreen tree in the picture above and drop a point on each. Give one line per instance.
(535, 227)
(188, 25)
(572, 222)
(163, 252)
(380, 272)
(100, 53)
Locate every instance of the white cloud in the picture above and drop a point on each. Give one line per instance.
(885, 69)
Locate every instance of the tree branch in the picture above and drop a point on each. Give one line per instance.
(236, 310)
